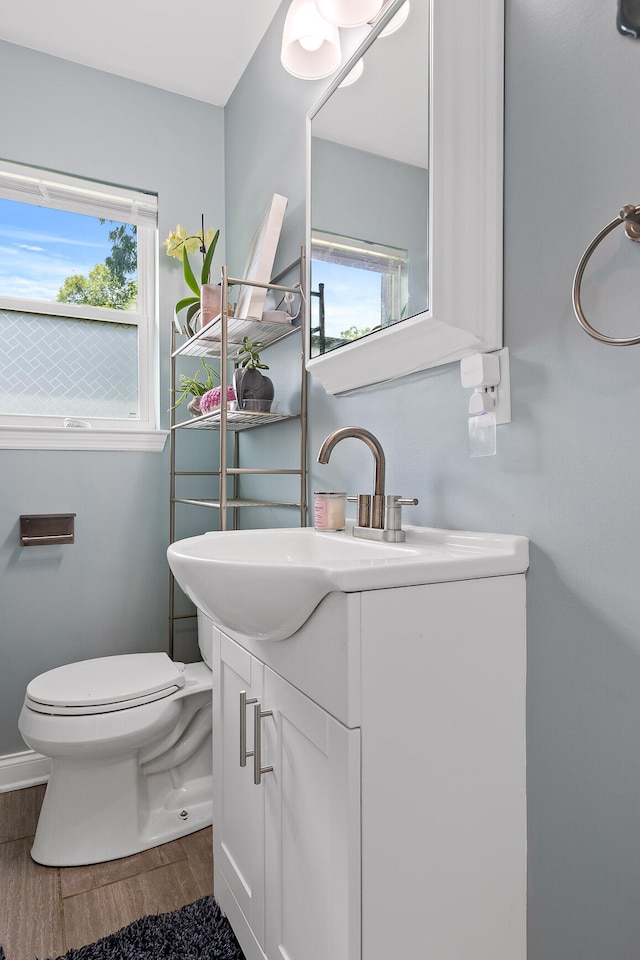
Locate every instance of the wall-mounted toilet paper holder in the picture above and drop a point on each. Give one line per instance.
(46, 529)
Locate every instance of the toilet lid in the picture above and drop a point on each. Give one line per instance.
(107, 680)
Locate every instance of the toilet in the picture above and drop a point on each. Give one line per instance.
(130, 740)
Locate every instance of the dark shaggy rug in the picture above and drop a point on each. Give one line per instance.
(198, 931)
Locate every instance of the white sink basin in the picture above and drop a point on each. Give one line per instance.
(267, 583)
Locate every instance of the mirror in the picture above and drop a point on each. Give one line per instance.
(404, 198)
(369, 192)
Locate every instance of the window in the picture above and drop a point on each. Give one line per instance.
(77, 312)
(352, 281)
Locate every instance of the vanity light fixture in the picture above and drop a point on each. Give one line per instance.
(349, 13)
(396, 22)
(354, 74)
(310, 44)
(311, 38)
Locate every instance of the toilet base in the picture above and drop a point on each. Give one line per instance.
(101, 822)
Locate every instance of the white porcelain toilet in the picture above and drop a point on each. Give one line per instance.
(130, 740)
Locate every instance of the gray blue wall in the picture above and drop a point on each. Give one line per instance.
(568, 467)
(107, 593)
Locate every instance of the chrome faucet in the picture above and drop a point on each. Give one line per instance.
(379, 516)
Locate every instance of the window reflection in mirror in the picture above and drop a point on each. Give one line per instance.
(369, 192)
(359, 287)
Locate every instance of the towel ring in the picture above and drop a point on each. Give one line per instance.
(630, 216)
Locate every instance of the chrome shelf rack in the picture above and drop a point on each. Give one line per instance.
(220, 339)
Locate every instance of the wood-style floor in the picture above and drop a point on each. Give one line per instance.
(45, 911)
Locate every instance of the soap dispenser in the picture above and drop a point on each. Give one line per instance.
(482, 424)
(488, 375)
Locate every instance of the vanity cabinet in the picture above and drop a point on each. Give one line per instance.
(286, 850)
(393, 822)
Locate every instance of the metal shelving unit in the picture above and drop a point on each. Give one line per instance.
(220, 339)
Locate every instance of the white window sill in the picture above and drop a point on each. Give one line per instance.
(63, 438)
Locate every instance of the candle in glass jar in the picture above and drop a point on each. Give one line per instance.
(329, 510)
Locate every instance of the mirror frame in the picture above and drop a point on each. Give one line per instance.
(466, 98)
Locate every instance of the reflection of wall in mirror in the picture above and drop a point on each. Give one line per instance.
(387, 111)
(361, 195)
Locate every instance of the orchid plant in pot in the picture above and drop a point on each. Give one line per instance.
(180, 244)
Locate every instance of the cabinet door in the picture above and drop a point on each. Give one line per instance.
(238, 806)
(312, 828)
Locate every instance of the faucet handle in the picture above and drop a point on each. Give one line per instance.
(393, 511)
(364, 508)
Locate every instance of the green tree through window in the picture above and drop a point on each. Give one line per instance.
(111, 283)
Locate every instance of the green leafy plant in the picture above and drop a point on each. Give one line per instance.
(354, 332)
(180, 244)
(112, 283)
(194, 386)
(248, 356)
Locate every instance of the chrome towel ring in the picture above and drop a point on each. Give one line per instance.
(630, 216)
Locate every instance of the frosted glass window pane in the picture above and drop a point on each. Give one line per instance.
(55, 366)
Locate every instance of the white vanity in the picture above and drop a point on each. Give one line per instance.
(390, 816)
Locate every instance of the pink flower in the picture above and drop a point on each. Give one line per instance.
(211, 399)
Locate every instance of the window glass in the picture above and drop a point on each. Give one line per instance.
(49, 254)
(67, 367)
(357, 287)
(77, 309)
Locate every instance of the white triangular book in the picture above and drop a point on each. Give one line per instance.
(262, 255)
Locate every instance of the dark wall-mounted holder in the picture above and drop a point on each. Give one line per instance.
(46, 529)
(628, 18)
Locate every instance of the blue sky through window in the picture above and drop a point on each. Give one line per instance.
(352, 296)
(40, 247)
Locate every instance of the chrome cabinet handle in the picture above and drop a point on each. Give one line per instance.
(244, 701)
(258, 769)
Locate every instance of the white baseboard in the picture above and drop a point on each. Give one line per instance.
(20, 770)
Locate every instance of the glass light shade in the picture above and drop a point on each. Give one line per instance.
(310, 42)
(354, 74)
(310, 45)
(349, 13)
(397, 21)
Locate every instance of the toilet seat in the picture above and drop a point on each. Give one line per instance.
(105, 684)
